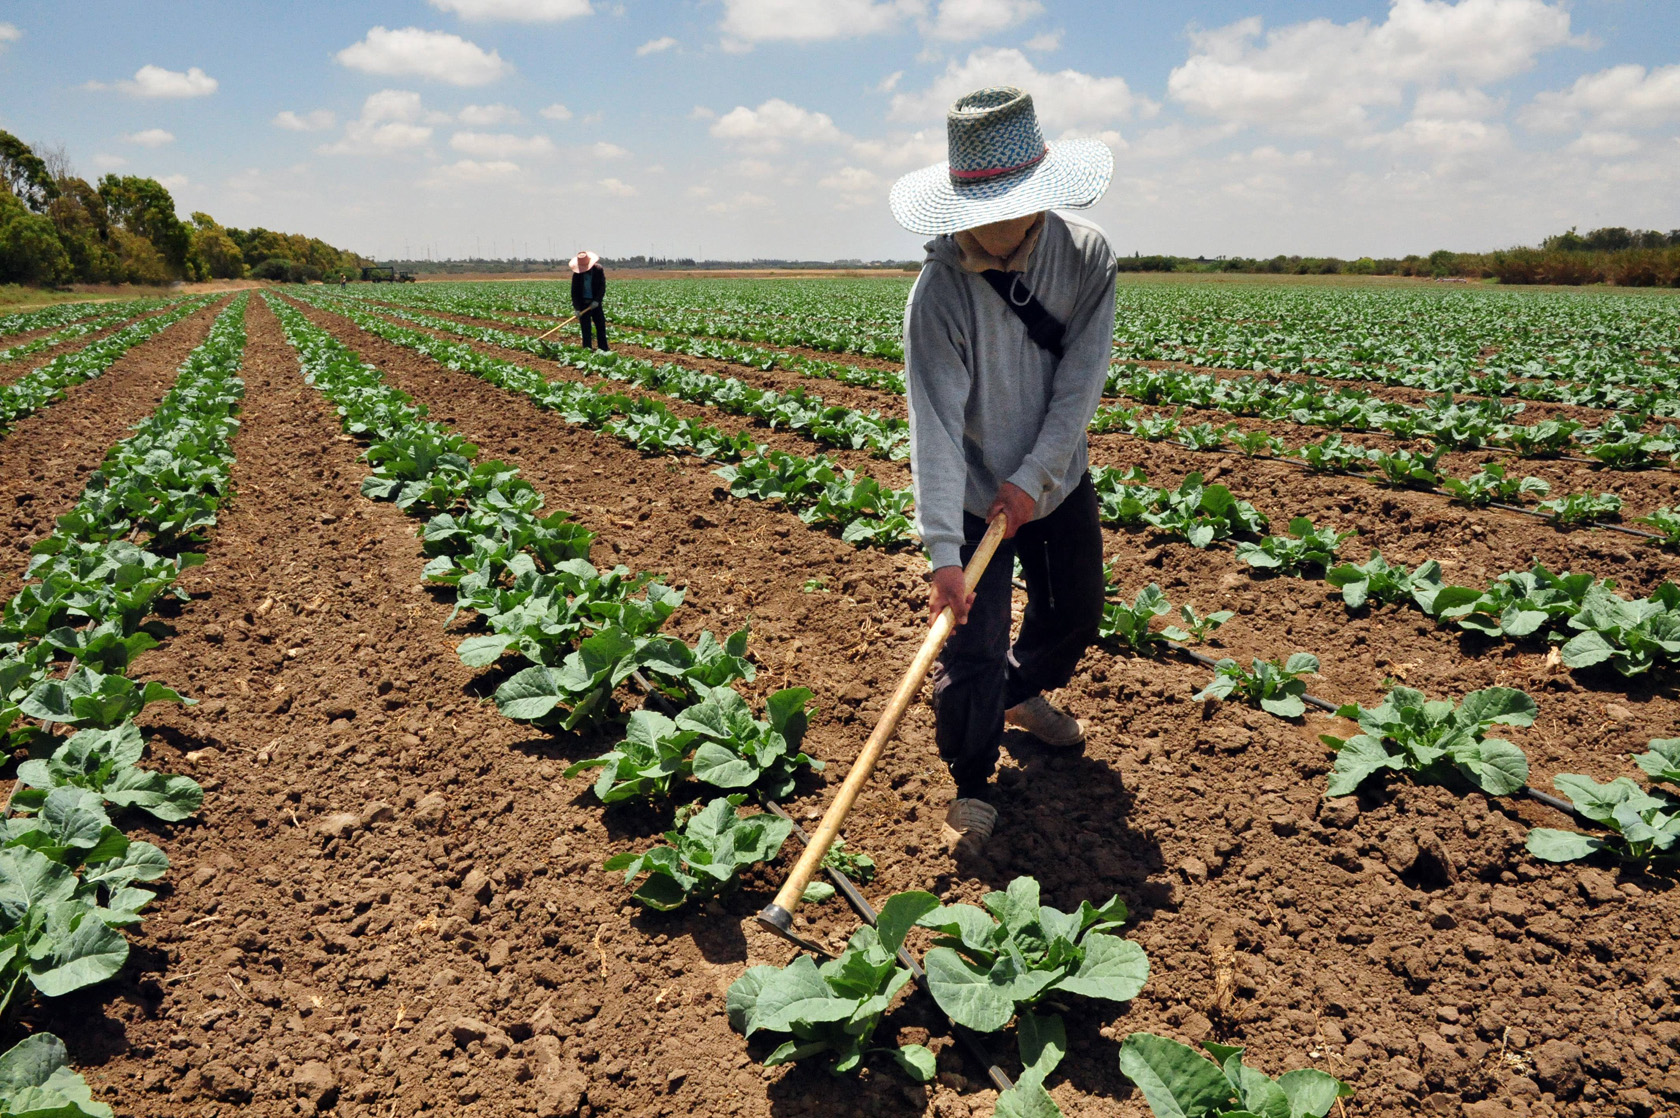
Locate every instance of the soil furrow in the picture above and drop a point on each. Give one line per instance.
(46, 459)
(887, 472)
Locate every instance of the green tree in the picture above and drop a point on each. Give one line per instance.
(29, 248)
(214, 254)
(144, 207)
(25, 174)
(84, 228)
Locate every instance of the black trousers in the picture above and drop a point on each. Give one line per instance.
(598, 320)
(980, 674)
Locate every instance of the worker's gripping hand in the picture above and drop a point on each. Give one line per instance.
(1012, 500)
(947, 590)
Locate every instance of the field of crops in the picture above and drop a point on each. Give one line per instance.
(403, 708)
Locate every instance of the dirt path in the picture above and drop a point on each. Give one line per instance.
(46, 459)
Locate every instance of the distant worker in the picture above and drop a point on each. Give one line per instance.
(1006, 346)
(589, 287)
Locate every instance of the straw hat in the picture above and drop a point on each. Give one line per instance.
(999, 168)
(584, 261)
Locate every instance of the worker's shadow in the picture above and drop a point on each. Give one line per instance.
(1065, 819)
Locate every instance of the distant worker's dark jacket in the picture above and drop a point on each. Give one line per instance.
(588, 287)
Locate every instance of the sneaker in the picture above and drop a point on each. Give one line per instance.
(968, 825)
(1051, 726)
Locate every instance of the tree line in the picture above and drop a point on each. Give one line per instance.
(1615, 255)
(56, 228)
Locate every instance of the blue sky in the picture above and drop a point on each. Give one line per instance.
(748, 128)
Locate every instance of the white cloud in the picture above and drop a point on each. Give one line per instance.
(470, 172)
(392, 120)
(437, 55)
(1621, 97)
(604, 150)
(617, 188)
(743, 202)
(1064, 99)
(1045, 43)
(856, 186)
(487, 116)
(957, 20)
(1604, 145)
(317, 120)
(500, 145)
(155, 81)
(173, 182)
(890, 82)
(1322, 76)
(803, 21)
(9, 33)
(1457, 104)
(654, 46)
(150, 138)
(701, 112)
(1439, 139)
(109, 162)
(902, 151)
(556, 111)
(515, 11)
(773, 123)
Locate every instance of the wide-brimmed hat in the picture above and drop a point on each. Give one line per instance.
(999, 167)
(588, 258)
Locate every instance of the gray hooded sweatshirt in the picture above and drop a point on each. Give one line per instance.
(987, 404)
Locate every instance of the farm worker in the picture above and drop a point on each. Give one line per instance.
(589, 287)
(1006, 348)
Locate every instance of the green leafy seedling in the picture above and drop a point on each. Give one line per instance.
(1178, 1082)
(1275, 688)
(1408, 733)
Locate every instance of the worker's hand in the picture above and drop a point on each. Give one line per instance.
(948, 590)
(1013, 501)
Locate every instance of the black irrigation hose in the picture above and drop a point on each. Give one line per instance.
(860, 904)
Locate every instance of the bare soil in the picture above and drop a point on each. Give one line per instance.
(392, 903)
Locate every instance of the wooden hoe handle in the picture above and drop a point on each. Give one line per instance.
(778, 915)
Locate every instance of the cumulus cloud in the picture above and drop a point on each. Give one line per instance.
(470, 172)
(856, 186)
(106, 162)
(957, 20)
(392, 120)
(556, 111)
(150, 138)
(768, 127)
(1323, 76)
(316, 120)
(1621, 97)
(617, 188)
(500, 145)
(437, 55)
(515, 11)
(155, 81)
(9, 33)
(1604, 145)
(487, 116)
(901, 151)
(654, 46)
(604, 150)
(801, 21)
(1045, 43)
(1064, 98)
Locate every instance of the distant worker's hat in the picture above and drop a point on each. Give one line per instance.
(999, 168)
(584, 260)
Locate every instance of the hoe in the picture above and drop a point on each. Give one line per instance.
(778, 915)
